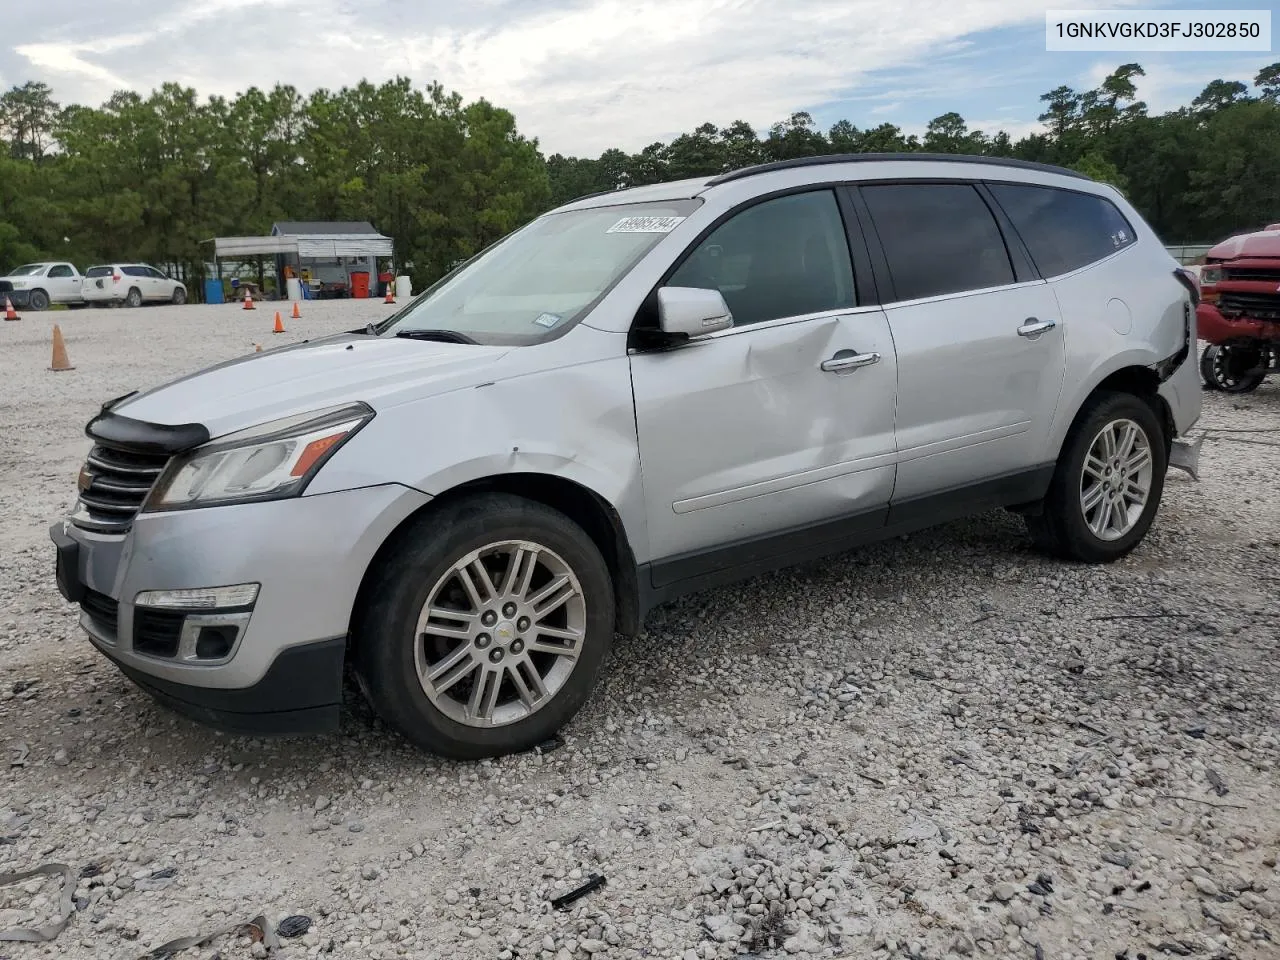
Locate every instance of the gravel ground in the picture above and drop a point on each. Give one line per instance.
(941, 746)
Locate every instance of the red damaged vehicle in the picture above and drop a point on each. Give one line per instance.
(1239, 311)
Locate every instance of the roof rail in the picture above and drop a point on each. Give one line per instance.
(744, 172)
(588, 196)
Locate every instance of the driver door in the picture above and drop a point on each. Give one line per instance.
(777, 433)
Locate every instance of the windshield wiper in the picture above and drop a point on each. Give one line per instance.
(442, 336)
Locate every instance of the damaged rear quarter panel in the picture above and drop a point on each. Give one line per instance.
(1144, 276)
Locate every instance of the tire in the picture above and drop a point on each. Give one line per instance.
(38, 300)
(1063, 527)
(396, 641)
(1234, 368)
(179, 296)
(133, 298)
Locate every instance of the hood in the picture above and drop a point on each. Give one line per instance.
(381, 371)
(1264, 243)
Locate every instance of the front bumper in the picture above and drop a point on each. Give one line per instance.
(1213, 327)
(309, 554)
(19, 298)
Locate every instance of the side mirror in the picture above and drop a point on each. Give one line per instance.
(692, 311)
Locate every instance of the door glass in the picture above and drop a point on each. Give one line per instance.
(785, 257)
(62, 271)
(939, 238)
(1063, 230)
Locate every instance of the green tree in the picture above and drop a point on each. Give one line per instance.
(27, 117)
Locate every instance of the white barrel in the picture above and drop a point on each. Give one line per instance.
(403, 287)
(293, 287)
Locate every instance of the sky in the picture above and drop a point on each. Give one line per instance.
(585, 75)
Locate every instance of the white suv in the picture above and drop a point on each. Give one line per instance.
(130, 285)
(640, 394)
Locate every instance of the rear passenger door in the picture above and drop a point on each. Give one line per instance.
(978, 336)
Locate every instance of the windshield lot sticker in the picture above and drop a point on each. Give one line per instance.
(645, 225)
(547, 319)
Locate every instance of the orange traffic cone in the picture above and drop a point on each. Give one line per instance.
(297, 314)
(248, 300)
(391, 297)
(279, 324)
(9, 312)
(60, 361)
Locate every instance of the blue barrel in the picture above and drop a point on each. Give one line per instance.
(213, 292)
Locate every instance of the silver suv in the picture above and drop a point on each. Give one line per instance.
(638, 395)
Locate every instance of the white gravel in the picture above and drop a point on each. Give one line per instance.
(931, 748)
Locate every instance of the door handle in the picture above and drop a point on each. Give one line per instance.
(1033, 328)
(848, 360)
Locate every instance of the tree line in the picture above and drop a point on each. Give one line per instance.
(155, 177)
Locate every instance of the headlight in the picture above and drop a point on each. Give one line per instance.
(267, 462)
(1210, 275)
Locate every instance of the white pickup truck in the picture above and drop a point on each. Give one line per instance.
(36, 285)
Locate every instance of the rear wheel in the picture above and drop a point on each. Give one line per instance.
(485, 627)
(1234, 368)
(1107, 487)
(134, 297)
(38, 300)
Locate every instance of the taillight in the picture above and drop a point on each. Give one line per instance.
(115, 278)
(1190, 281)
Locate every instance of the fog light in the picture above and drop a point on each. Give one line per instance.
(214, 643)
(204, 598)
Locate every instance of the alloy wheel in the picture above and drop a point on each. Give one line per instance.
(1116, 480)
(500, 633)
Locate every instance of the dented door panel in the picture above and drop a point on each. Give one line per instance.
(742, 434)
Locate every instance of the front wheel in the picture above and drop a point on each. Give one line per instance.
(485, 627)
(179, 296)
(1108, 483)
(1234, 368)
(39, 300)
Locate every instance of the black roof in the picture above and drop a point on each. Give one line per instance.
(874, 157)
(306, 228)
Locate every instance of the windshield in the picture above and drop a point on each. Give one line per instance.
(544, 277)
(27, 270)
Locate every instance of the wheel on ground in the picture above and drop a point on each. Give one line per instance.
(485, 627)
(134, 297)
(1234, 368)
(1107, 486)
(38, 300)
(179, 296)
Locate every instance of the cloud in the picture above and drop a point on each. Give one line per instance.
(581, 75)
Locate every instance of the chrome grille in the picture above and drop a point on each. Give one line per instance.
(113, 485)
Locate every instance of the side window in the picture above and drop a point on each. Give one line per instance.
(61, 271)
(784, 257)
(155, 274)
(136, 271)
(939, 238)
(1063, 230)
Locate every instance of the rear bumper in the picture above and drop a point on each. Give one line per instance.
(301, 693)
(1213, 327)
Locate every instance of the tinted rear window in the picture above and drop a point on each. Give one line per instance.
(939, 238)
(98, 272)
(136, 271)
(1064, 230)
